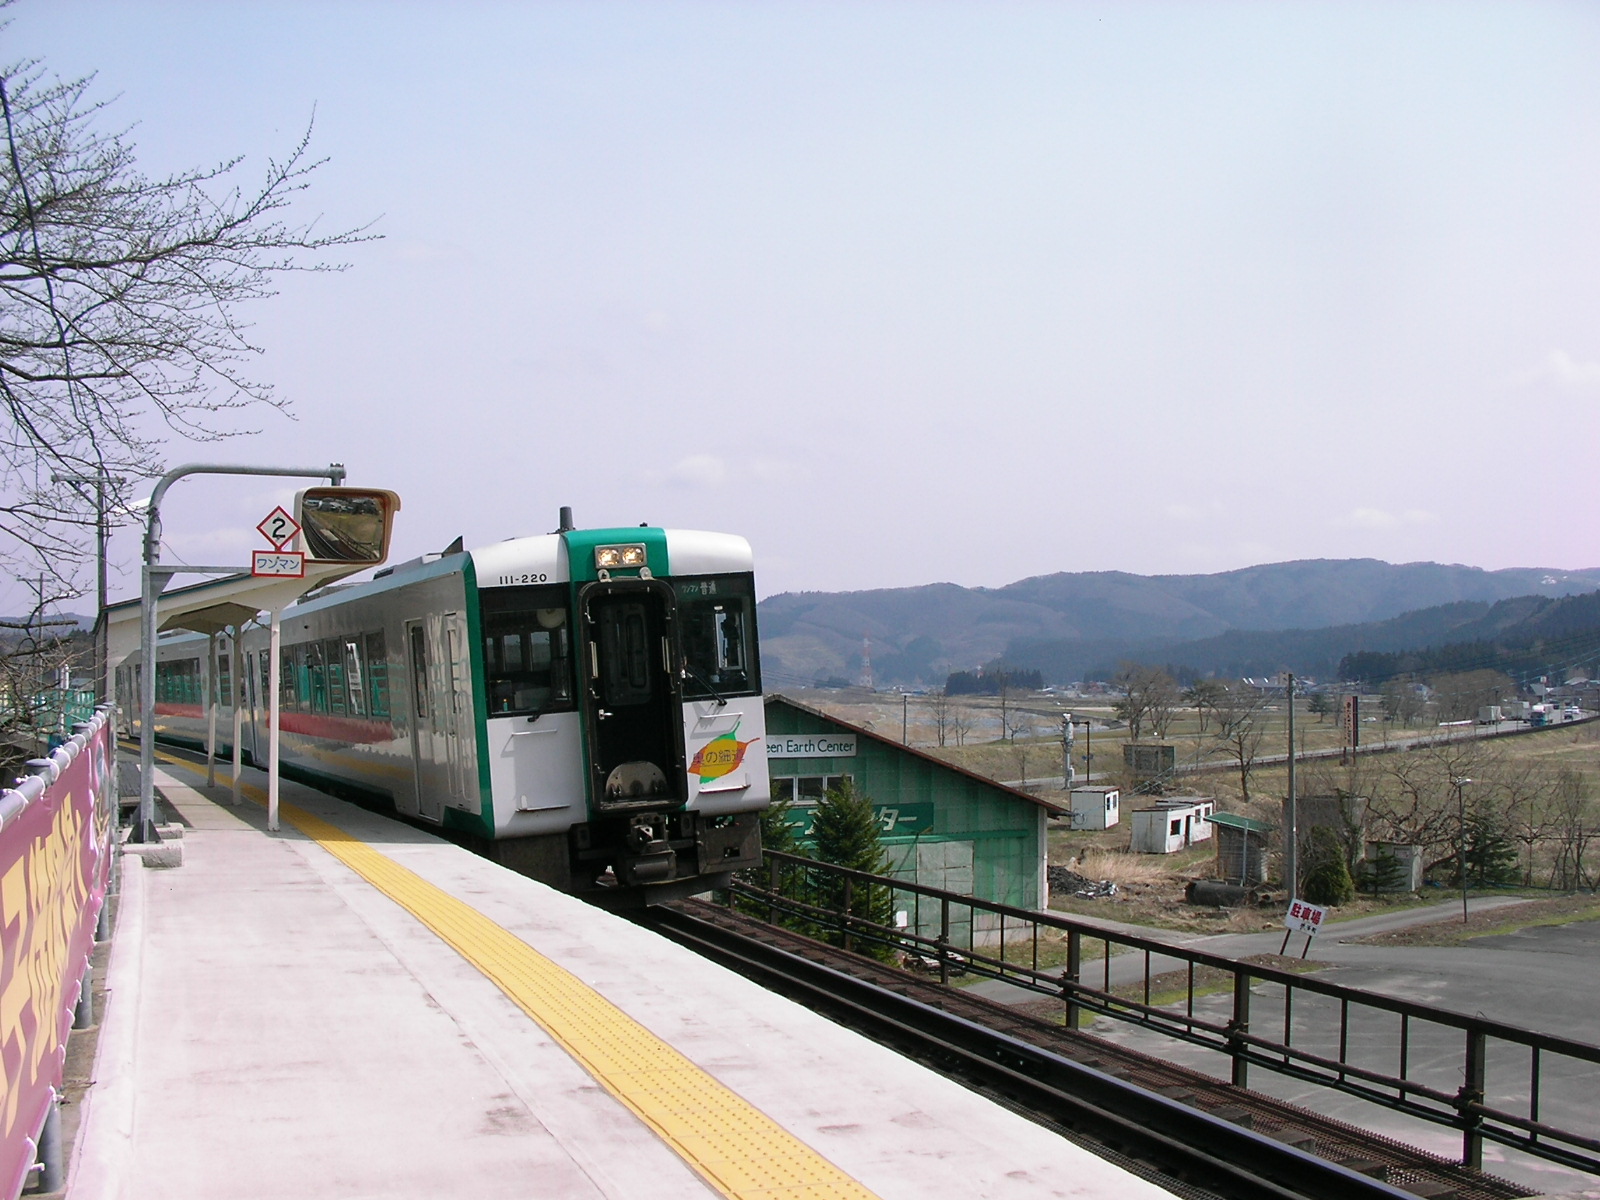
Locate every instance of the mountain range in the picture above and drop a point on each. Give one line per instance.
(1304, 615)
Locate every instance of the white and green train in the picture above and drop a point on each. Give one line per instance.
(584, 707)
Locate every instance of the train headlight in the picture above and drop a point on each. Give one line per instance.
(609, 558)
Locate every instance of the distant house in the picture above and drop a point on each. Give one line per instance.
(1096, 807)
(1171, 825)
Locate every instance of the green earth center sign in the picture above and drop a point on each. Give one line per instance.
(811, 745)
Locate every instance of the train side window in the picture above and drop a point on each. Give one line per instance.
(717, 623)
(355, 678)
(316, 678)
(225, 676)
(377, 674)
(527, 650)
(333, 656)
(419, 672)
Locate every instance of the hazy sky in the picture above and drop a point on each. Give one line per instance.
(908, 292)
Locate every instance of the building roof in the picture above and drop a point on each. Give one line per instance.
(1248, 824)
(1049, 806)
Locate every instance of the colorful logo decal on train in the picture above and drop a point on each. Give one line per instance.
(720, 755)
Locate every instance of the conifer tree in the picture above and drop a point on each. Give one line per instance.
(846, 832)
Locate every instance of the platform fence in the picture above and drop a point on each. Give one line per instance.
(57, 830)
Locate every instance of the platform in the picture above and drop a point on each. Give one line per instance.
(348, 1008)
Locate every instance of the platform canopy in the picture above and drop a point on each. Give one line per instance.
(213, 605)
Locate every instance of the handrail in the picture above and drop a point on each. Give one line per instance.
(1463, 1103)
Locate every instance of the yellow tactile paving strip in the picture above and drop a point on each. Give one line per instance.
(732, 1145)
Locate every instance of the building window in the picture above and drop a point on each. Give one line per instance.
(805, 790)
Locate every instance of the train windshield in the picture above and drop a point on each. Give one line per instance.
(717, 622)
(527, 650)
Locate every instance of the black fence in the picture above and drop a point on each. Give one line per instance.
(1494, 1082)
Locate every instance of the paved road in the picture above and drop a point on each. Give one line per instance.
(1542, 978)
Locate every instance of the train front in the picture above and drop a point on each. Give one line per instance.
(668, 710)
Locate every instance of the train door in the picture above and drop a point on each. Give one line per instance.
(441, 713)
(252, 706)
(633, 707)
(425, 736)
(459, 756)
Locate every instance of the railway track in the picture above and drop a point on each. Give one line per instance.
(1184, 1130)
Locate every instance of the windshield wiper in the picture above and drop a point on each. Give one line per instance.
(690, 669)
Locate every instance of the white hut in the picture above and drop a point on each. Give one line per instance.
(1169, 825)
(1096, 807)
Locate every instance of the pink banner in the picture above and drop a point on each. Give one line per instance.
(55, 855)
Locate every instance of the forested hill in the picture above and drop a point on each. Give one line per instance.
(1068, 624)
(1519, 638)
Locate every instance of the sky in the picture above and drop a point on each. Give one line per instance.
(909, 292)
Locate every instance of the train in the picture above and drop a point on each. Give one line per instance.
(584, 706)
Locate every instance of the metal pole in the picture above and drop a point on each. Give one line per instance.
(1066, 751)
(237, 689)
(54, 1176)
(274, 688)
(213, 688)
(145, 830)
(1291, 815)
(83, 1011)
(905, 711)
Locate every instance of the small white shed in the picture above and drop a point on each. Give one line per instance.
(1096, 807)
(1169, 825)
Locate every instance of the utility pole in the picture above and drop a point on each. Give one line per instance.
(1461, 846)
(1066, 751)
(1291, 825)
(102, 679)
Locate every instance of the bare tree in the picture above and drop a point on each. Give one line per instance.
(120, 298)
(1575, 825)
(1148, 697)
(960, 725)
(939, 706)
(1240, 729)
(1203, 695)
(1022, 731)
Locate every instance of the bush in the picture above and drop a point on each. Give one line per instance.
(1326, 880)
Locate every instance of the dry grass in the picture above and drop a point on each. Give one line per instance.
(1124, 869)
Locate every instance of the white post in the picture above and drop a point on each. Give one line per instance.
(236, 677)
(274, 687)
(211, 710)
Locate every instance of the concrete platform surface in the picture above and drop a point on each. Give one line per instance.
(276, 1026)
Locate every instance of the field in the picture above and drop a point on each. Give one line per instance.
(1151, 887)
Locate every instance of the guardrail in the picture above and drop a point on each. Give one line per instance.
(1494, 1082)
(56, 844)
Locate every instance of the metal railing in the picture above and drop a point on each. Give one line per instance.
(1494, 1082)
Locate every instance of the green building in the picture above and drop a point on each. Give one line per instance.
(943, 827)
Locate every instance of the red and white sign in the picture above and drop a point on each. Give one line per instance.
(1304, 918)
(278, 564)
(279, 528)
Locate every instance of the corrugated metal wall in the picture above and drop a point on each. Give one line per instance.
(944, 829)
